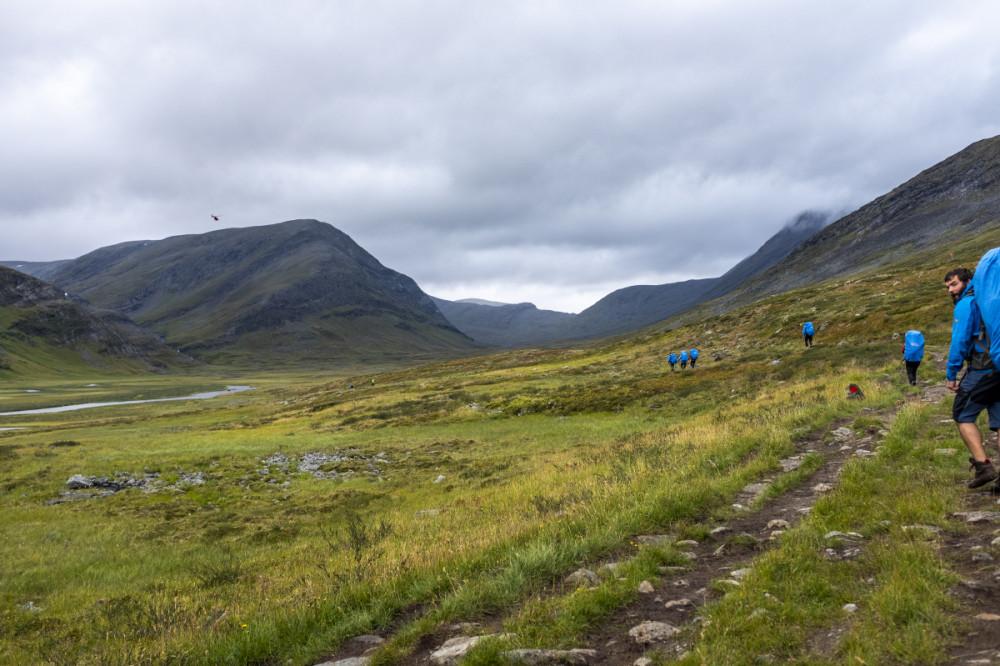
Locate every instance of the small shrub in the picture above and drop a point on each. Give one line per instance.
(227, 570)
(362, 539)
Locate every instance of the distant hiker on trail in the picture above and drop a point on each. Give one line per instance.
(684, 359)
(913, 353)
(971, 347)
(694, 356)
(807, 333)
(672, 360)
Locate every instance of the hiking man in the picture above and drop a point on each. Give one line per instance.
(694, 357)
(672, 360)
(969, 346)
(913, 353)
(684, 359)
(807, 333)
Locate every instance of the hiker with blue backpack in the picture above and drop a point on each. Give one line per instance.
(694, 357)
(913, 354)
(684, 359)
(672, 360)
(970, 345)
(807, 333)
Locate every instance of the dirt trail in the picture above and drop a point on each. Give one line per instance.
(678, 594)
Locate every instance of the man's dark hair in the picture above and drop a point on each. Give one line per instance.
(963, 274)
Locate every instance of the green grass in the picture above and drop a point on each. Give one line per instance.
(494, 477)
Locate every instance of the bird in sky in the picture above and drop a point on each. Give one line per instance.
(215, 217)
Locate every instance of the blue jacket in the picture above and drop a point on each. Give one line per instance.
(672, 359)
(684, 356)
(964, 331)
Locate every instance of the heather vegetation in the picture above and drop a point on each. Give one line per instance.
(272, 525)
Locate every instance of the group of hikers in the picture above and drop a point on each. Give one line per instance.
(975, 341)
(683, 358)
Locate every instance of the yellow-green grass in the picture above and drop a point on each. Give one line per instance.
(549, 459)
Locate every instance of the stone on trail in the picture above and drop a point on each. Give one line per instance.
(790, 464)
(645, 587)
(778, 524)
(576, 656)
(677, 603)
(453, 649)
(349, 661)
(978, 516)
(843, 434)
(652, 632)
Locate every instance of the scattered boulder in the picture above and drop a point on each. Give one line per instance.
(78, 481)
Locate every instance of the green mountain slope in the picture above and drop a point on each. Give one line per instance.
(42, 331)
(297, 291)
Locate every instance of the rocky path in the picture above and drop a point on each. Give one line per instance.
(653, 620)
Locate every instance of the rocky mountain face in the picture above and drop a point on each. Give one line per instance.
(297, 290)
(956, 198)
(623, 310)
(39, 319)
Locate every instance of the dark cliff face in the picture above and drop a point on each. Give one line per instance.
(301, 285)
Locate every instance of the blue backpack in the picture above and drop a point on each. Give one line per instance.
(808, 329)
(694, 354)
(913, 346)
(987, 290)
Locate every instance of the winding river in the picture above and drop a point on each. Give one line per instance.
(87, 405)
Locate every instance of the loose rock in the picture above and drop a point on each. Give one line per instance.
(652, 632)
(584, 578)
(577, 656)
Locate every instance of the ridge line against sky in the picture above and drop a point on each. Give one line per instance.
(544, 152)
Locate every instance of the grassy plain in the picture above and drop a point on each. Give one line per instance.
(471, 487)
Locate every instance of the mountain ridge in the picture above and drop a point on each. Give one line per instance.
(287, 291)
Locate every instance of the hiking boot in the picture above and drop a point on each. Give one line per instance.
(984, 473)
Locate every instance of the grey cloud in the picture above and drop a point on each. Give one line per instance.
(537, 147)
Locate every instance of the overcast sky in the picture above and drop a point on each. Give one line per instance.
(549, 152)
